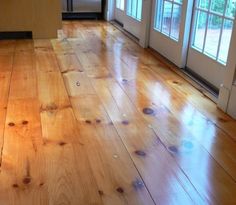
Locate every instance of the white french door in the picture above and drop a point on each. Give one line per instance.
(129, 13)
(205, 51)
(169, 29)
(210, 39)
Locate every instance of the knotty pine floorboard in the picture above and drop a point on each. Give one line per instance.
(92, 118)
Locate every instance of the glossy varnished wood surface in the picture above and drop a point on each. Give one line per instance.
(92, 118)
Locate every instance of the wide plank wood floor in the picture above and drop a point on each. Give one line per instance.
(91, 118)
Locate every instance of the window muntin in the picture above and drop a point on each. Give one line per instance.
(168, 17)
(213, 27)
(134, 9)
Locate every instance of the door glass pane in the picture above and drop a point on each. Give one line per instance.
(179, 1)
(129, 7)
(204, 4)
(225, 40)
(213, 35)
(159, 5)
(218, 6)
(175, 23)
(134, 9)
(213, 28)
(120, 4)
(166, 17)
(230, 9)
(200, 28)
(139, 10)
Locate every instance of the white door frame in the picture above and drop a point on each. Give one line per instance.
(229, 77)
(145, 22)
(171, 49)
(109, 10)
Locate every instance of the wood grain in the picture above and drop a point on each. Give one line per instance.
(92, 118)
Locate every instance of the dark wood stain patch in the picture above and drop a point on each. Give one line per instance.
(11, 124)
(88, 121)
(26, 180)
(15, 185)
(140, 153)
(125, 122)
(173, 149)
(100, 192)
(62, 143)
(120, 190)
(25, 122)
(98, 121)
(148, 111)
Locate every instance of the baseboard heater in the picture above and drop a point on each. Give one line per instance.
(10, 35)
(197, 78)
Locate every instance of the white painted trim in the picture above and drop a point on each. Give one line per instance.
(145, 23)
(175, 51)
(229, 77)
(109, 10)
(231, 109)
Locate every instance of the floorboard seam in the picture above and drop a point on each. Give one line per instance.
(8, 96)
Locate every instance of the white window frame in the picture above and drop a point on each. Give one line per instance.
(162, 2)
(208, 12)
(136, 13)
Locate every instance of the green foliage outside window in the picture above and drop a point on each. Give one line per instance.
(218, 7)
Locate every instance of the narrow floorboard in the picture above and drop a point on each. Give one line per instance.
(92, 118)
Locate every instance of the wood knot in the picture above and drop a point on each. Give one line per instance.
(148, 111)
(120, 190)
(98, 121)
(15, 185)
(26, 180)
(173, 149)
(11, 124)
(175, 82)
(100, 192)
(41, 184)
(62, 143)
(88, 121)
(125, 122)
(140, 153)
(25, 122)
